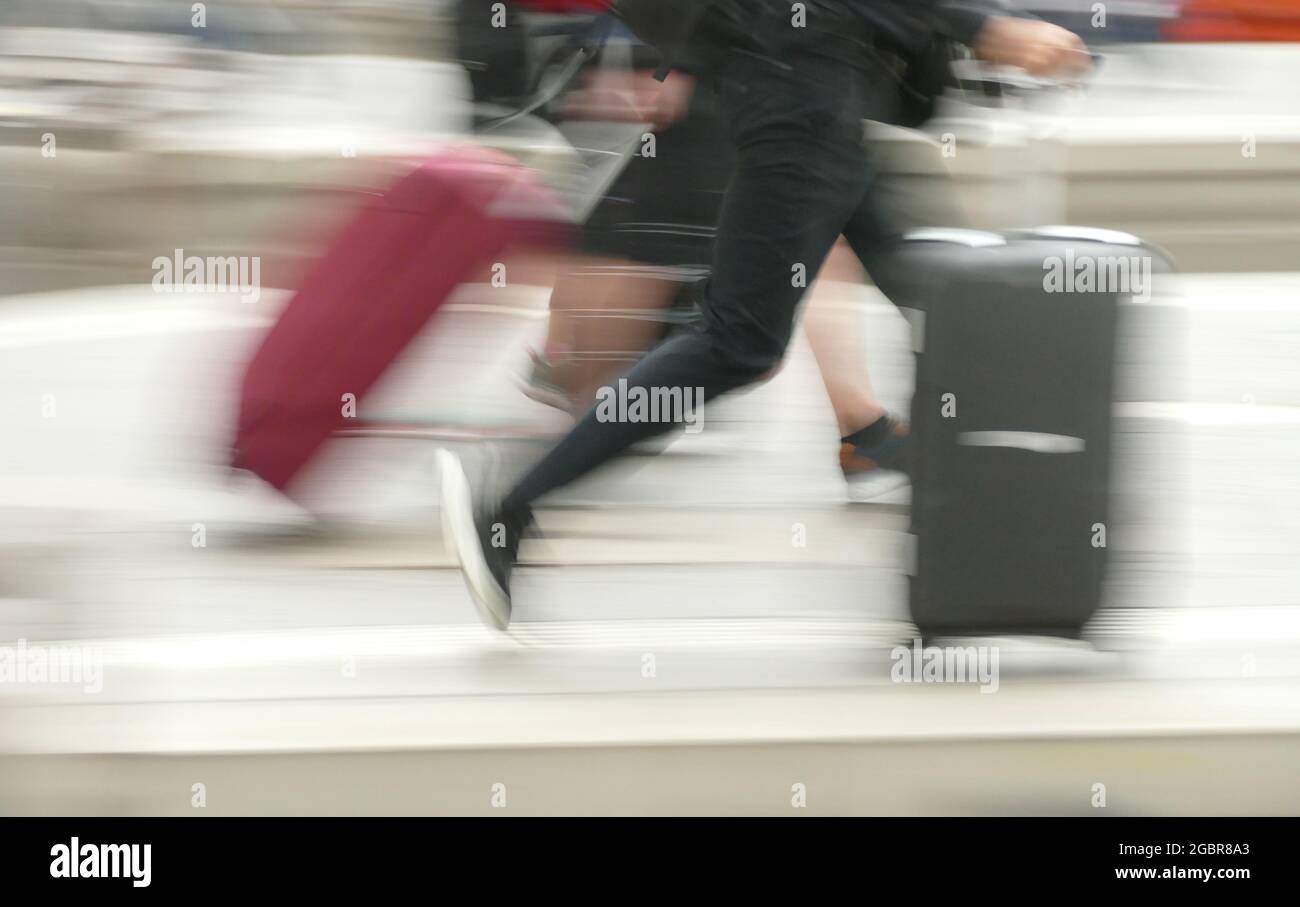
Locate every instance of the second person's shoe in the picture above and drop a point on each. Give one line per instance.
(874, 461)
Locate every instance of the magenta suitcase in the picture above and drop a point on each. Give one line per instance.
(378, 284)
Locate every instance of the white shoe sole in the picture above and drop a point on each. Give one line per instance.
(490, 601)
(884, 483)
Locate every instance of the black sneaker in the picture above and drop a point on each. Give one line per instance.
(874, 460)
(485, 543)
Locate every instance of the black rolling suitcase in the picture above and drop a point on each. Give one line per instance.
(1011, 421)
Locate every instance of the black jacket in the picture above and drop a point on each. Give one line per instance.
(690, 33)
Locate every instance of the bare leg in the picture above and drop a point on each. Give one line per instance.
(835, 335)
(604, 316)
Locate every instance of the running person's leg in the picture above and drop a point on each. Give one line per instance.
(801, 171)
(604, 314)
(649, 237)
(873, 444)
(834, 332)
(801, 174)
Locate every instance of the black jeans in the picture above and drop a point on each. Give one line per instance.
(802, 177)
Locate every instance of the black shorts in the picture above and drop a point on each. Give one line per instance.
(663, 210)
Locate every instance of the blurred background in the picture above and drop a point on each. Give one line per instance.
(319, 654)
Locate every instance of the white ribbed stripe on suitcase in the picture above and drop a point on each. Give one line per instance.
(1037, 441)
